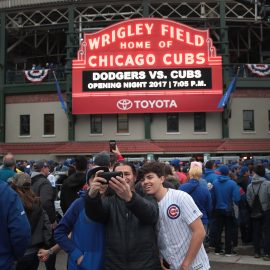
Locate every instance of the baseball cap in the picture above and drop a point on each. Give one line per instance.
(175, 162)
(102, 159)
(22, 180)
(38, 165)
(243, 170)
(92, 171)
(196, 164)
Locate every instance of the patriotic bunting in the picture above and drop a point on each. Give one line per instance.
(261, 70)
(36, 75)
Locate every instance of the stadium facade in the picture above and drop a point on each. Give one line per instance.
(40, 39)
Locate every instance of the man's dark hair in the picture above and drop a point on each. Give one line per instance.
(209, 164)
(152, 167)
(125, 163)
(259, 170)
(168, 170)
(81, 163)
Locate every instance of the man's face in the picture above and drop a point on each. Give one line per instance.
(45, 170)
(127, 174)
(151, 183)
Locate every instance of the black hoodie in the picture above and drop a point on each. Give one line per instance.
(70, 188)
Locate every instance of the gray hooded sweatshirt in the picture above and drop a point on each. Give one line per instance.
(264, 193)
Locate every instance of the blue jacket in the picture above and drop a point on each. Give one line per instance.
(6, 173)
(87, 238)
(201, 197)
(15, 231)
(210, 176)
(224, 193)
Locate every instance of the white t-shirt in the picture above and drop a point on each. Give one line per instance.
(176, 211)
(52, 179)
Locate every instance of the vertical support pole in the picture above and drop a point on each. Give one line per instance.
(226, 61)
(70, 47)
(145, 8)
(2, 74)
(147, 116)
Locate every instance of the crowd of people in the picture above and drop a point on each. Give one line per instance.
(151, 215)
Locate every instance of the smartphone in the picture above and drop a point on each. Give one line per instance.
(112, 144)
(109, 175)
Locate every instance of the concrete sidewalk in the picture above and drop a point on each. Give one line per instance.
(240, 262)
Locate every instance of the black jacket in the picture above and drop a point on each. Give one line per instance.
(130, 236)
(43, 189)
(41, 232)
(70, 188)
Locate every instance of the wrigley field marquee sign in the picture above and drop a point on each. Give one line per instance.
(146, 66)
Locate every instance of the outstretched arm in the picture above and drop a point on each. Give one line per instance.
(198, 234)
(97, 208)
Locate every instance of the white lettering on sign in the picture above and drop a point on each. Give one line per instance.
(183, 74)
(145, 104)
(181, 35)
(123, 32)
(120, 75)
(122, 60)
(183, 58)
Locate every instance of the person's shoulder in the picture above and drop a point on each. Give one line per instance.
(203, 187)
(184, 186)
(4, 186)
(7, 193)
(78, 203)
(266, 183)
(177, 193)
(233, 183)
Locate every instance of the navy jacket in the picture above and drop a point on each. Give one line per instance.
(15, 231)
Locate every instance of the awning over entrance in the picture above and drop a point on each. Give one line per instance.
(141, 147)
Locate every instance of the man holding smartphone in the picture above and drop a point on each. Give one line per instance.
(130, 241)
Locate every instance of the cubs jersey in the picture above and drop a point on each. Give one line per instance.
(176, 211)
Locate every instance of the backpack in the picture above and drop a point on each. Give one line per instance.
(256, 207)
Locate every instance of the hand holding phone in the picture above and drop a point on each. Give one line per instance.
(108, 175)
(112, 144)
(98, 183)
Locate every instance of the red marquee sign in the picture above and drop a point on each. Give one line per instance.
(146, 66)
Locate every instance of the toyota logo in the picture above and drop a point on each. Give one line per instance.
(124, 104)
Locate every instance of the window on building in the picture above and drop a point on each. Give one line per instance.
(172, 122)
(248, 120)
(200, 122)
(122, 123)
(96, 124)
(49, 124)
(25, 125)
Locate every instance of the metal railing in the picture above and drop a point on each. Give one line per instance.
(19, 3)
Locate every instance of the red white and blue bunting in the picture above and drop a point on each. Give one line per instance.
(36, 75)
(261, 70)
